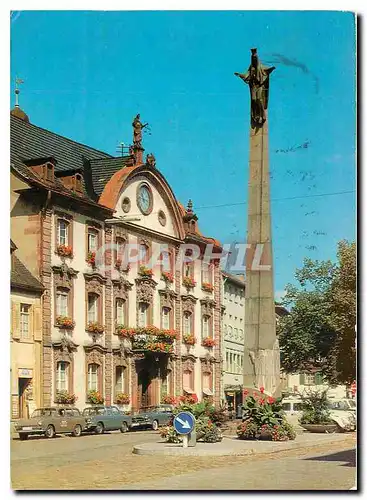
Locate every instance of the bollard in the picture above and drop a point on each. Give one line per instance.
(192, 438)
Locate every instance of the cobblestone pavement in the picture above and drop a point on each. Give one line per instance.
(106, 462)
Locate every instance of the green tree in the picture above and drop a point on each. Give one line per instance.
(320, 329)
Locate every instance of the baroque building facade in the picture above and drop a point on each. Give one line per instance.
(89, 226)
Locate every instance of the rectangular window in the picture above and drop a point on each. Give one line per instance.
(119, 385)
(120, 247)
(188, 381)
(62, 232)
(187, 323)
(120, 312)
(93, 377)
(205, 326)
(227, 361)
(143, 314)
(165, 318)
(206, 273)
(61, 303)
(24, 321)
(92, 308)
(92, 240)
(166, 261)
(62, 376)
(188, 270)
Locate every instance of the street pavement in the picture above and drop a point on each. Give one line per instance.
(107, 462)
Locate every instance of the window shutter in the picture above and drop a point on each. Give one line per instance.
(15, 309)
(37, 322)
(302, 379)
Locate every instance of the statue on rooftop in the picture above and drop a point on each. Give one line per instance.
(138, 128)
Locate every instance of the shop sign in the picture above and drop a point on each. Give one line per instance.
(25, 373)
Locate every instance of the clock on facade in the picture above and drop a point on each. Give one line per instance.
(144, 199)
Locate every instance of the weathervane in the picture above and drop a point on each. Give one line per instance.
(18, 81)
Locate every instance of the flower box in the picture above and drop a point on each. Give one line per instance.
(158, 347)
(94, 327)
(64, 251)
(122, 399)
(188, 282)
(168, 400)
(65, 322)
(125, 331)
(91, 259)
(208, 287)
(145, 271)
(189, 339)
(64, 397)
(208, 342)
(167, 277)
(95, 398)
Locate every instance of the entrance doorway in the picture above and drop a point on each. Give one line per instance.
(144, 396)
(23, 383)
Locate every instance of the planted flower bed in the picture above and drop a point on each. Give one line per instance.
(315, 416)
(208, 420)
(167, 277)
(64, 251)
(264, 419)
(145, 272)
(189, 339)
(94, 327)
(65, 397)
(122, 399)
(95, 398)
(208, 342)
(188, 282)
(65, 322)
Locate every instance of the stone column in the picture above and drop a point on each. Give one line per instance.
(261, 360)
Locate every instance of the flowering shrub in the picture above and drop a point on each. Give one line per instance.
(188, 399)
(167, 277)
(64, 397)
(315, 408)
(263, 418)
(95, 398)
(189, 339)
(95, 327)
(122, 398)
(65, 322)
(170, 435)
(64, 251)
(145, 271)
(168, 400)
(188, 282)
(208, 342)
(91, 258)
(208, 287)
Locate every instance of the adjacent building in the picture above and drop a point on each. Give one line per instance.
(124, 333)
(233, 337)
(26, 338)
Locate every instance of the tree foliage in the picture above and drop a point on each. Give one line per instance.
(320, 329)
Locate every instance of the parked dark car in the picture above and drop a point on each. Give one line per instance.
(105, 418)
(152, 417)
(52, 421)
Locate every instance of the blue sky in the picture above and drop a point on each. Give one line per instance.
(88, 73)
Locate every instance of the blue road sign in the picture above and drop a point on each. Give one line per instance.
(184, 422)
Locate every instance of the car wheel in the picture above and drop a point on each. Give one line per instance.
(23, 437)
(155, 425)
(77, 431)
(124, 427)
(99, 428)
(50, 431)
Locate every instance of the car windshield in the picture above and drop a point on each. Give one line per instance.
(93, 411)
(338, 405)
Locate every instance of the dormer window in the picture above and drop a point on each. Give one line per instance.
(49, 172)
(78, 183)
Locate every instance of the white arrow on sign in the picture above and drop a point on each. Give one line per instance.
(185, 424)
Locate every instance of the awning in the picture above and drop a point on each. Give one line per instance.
(207, 392)
(188, 390)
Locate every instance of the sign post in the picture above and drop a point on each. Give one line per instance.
(184, 424)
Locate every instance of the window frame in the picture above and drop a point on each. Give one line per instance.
(27, 314)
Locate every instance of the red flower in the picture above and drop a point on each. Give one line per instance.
(262, 401)
(245, 392)
(262, 389)
(271, 400)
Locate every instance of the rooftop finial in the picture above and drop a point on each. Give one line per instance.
(18, 81)
(190, 206)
